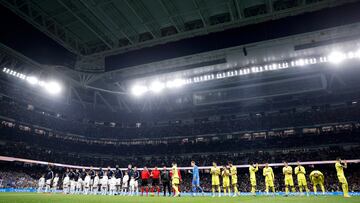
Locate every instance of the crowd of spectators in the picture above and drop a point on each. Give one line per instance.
(22, 112)
(16, 179)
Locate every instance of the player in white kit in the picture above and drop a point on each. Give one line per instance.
(87, 182)
(55, 183)
(95, 186)
(104, 184)
(66, 183)
(112, 185)
(41, 184)
(125, 184)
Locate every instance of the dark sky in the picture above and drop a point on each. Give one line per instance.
(21, 36)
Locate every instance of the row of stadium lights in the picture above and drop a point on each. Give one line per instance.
(156, 87)
(52, 87)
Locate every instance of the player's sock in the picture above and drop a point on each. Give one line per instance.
(315, 189)
(219, 190)
(213, 191)
(323, 189)
(236, 191)
(345, 189)
(147, 191)
(286, 190)
(300, 189)
(176, 190)
(229, 191)
(273, 189)
(224, 191)
(158, 190)
(142, 191)
(293, 189)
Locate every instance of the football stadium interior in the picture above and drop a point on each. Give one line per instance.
(180, 101)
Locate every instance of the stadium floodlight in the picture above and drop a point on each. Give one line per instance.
(53, 87)
(336, 57)
(32, 80)
(138, 90)
(156, 86)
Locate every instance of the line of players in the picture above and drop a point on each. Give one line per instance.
(316, 177)
(115, 182)
(109, 182)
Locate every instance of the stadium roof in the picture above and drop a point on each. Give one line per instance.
(108, 27)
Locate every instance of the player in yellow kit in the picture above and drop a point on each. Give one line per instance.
(287, 171)
(225, 174)
(301, 179)
(215, 181)
(317, 178)
(339, 165)
(269, 178)
(252, 171)
(233, 173)
(175, 180)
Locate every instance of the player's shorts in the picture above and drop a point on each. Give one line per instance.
(195, 182)
(342, 179)
(48, 182)
(144, 182)
(269, 182)
(175, 181)
(302, 182)
(78, 184)
(253, 181)
(87, 184)
(215, 181)
(133, 183)
(226, 183)
(118, 181)
(155, 182)
(317, 182)
(112, 187)
(289, 181)
(234, 179)
(72, 184)
(80, 181)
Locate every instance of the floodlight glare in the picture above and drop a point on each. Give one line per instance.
(336, 57)
(32, 80)
(53, 87)
(139, 90)
(157, 86)
(175, 83)
(357, 54)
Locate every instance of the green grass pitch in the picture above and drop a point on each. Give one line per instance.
(59, 198)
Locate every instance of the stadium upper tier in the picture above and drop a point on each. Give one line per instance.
(32, 115)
